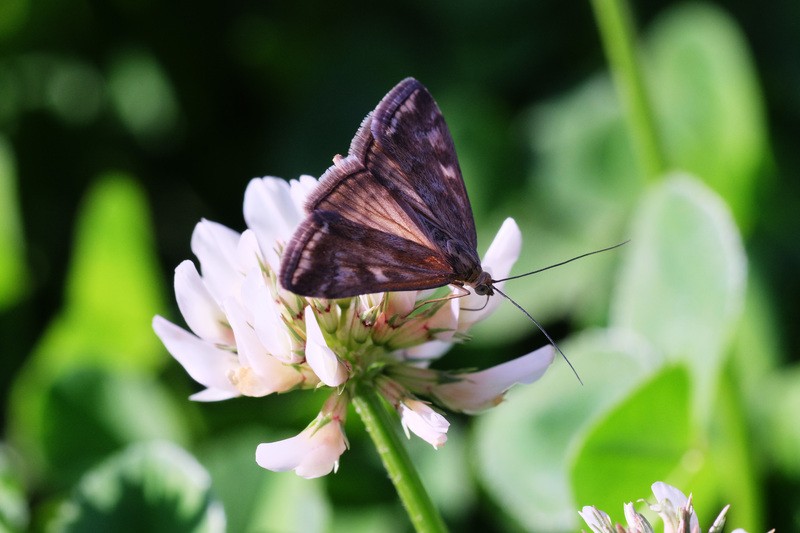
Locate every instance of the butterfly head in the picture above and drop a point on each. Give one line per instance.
(483, 284)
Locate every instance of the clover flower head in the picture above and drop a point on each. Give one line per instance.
(672, 506)
(247, 336)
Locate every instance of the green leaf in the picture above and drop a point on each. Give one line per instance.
(115, 409)
(113, 286)
(641, 441)
(780, 437)
(156, 487)
(682, 282)
(113, 289)
(706, 93)
(14, 512)
(13, 271)
(257, 499)
(524, 446)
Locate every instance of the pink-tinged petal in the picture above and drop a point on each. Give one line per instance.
(400, 303)
(498, 261)
(636, 522)
(482, 390)
(322, 360)
(260, 373)
(215, 246)
(201, 311)
(597, 520)
(419, 418)
(313, 453)
(271, 213)
(204, 362)
(446, 320)
(427, 351)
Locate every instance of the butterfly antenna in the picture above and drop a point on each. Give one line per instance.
(549, 338)
(563, 263)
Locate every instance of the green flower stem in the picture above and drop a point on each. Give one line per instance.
(382, 428)
(616, 30)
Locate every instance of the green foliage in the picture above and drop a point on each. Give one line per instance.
(147, 487)
(90, 365)
(13, 273)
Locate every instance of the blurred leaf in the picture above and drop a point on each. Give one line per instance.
(706, 91)
(13, 14)
(259, 500)
(148, 487)
(113, 290)
(778, 429)
(14, 513)
(682, 283)
(368, 519)
(641, 441)
(524, 446)
(113, 286)
(114, 409)
(586, 174)
(731, 461)
(144, 98)
(13, 271)
(445, 474)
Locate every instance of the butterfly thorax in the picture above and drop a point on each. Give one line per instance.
(467, 267)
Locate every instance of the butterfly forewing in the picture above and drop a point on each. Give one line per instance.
(416, 159)
(393, 214)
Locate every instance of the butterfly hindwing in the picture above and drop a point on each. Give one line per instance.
(332, 257)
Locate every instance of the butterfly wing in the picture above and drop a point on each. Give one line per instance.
(415, 158)
(371, 226)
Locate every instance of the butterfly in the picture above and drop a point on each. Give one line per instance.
(393, 215)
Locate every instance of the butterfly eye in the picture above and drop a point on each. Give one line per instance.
(483, 290)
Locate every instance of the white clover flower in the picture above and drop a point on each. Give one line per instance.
(674, 508)
(249, 336)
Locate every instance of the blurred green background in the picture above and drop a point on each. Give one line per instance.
(123, 123)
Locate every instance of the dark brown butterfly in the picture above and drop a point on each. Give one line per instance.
(391, 216)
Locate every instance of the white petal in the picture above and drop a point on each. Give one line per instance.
(424, 422)
(301, 190)
(597, 520)
(213, 395)
(481, 390)
(320, 358)
(204, 362)
(272, 332)
(663, 491)
(248, 252)
(201, 311)
(504, 250)
(670, 500)
(215, 246)
(313, 453)
(498, 261)
(261, 374)
(270, 211)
